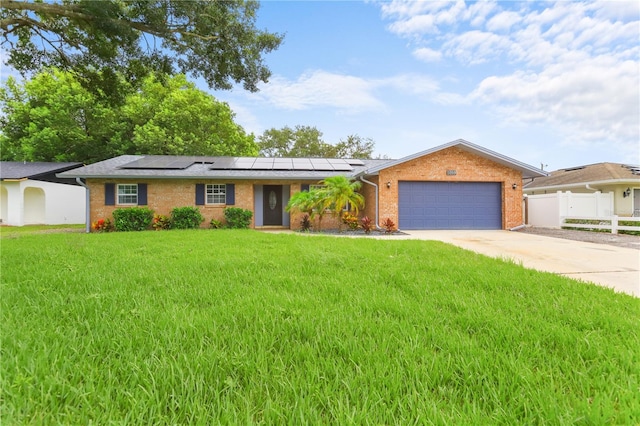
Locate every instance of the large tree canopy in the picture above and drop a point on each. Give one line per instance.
(216, 40)
(52, 117)
(306, 141)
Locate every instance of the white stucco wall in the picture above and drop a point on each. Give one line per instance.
(34, 202)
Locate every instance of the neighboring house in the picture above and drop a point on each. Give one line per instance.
(30, 193)
(457, 185)
(620, 179)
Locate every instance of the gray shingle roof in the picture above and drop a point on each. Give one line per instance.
(27, 170)
(582, 175)
(200, 168)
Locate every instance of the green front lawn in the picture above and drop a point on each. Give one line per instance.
(243, 327)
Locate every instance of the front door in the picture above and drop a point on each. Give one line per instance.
(272, 205)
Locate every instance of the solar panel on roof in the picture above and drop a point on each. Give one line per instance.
(342, 167)
(302, 164)
(161, 163)
(355, 162)
(283, 166)
(223, 163)
(321, 164)
(243, 163)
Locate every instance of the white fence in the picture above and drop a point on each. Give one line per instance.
(611, 224)
(547, 210)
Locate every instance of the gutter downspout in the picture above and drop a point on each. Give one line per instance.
(87, 206)
(376, 187)
(590, 188)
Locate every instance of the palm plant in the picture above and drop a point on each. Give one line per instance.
(312, 203)
(340, 192)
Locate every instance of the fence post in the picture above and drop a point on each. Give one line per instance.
(614, 224)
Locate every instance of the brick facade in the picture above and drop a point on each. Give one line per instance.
(165, 194)
(468, 167)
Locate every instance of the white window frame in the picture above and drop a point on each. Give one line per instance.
(215, 194)
(127, 194)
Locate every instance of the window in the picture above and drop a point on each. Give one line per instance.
(128, 193)
(216, 194)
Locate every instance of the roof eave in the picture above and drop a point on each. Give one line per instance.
(527, 170)
(581, 184)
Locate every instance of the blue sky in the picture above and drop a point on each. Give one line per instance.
(553, 83)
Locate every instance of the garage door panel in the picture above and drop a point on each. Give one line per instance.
(450, 205)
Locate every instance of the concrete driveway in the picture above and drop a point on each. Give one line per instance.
(602, 264)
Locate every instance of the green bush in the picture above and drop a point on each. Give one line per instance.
(132, 218)
(237, 218)
(186, 218)
(215, 224)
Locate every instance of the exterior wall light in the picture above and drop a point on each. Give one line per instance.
(389, 184)
(514, 186)
(626, 193)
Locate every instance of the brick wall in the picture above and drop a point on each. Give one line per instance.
(164, 195)
(468, 167)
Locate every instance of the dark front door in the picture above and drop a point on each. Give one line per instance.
(272, 205)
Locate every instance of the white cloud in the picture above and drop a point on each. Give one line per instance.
(410, 83)
(421, 24)
(321, 89)
(346, 93)
(503, 21)
(578, 63)
(595, 102)
(476, 47)
(427, 55)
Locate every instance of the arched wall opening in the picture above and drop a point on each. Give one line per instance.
(34, 206)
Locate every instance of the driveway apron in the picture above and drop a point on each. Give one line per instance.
(602, 264)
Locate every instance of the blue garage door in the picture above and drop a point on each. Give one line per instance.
(450, 205)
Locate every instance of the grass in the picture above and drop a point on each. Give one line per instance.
(241, 327)
(10, 231)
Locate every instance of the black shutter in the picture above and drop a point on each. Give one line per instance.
(199, 194)
(109, 194)
(142, 194)
(304, 187)
(231, 194)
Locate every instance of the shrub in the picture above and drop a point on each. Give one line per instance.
(305, 223)
(186, 218)
(389, 226)
(102, 225)
(350, 220)
(161, 222)
(215, 224)
(132, 218)
(238, 218)
(366, 224)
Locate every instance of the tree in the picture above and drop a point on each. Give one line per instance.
(312, 202)
(215, 40)
(301, 141)
(306, 141)
(340, 192)
(354, 147)
(176, 118)
(54, 118)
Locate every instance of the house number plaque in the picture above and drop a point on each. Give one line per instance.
(451, 173)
